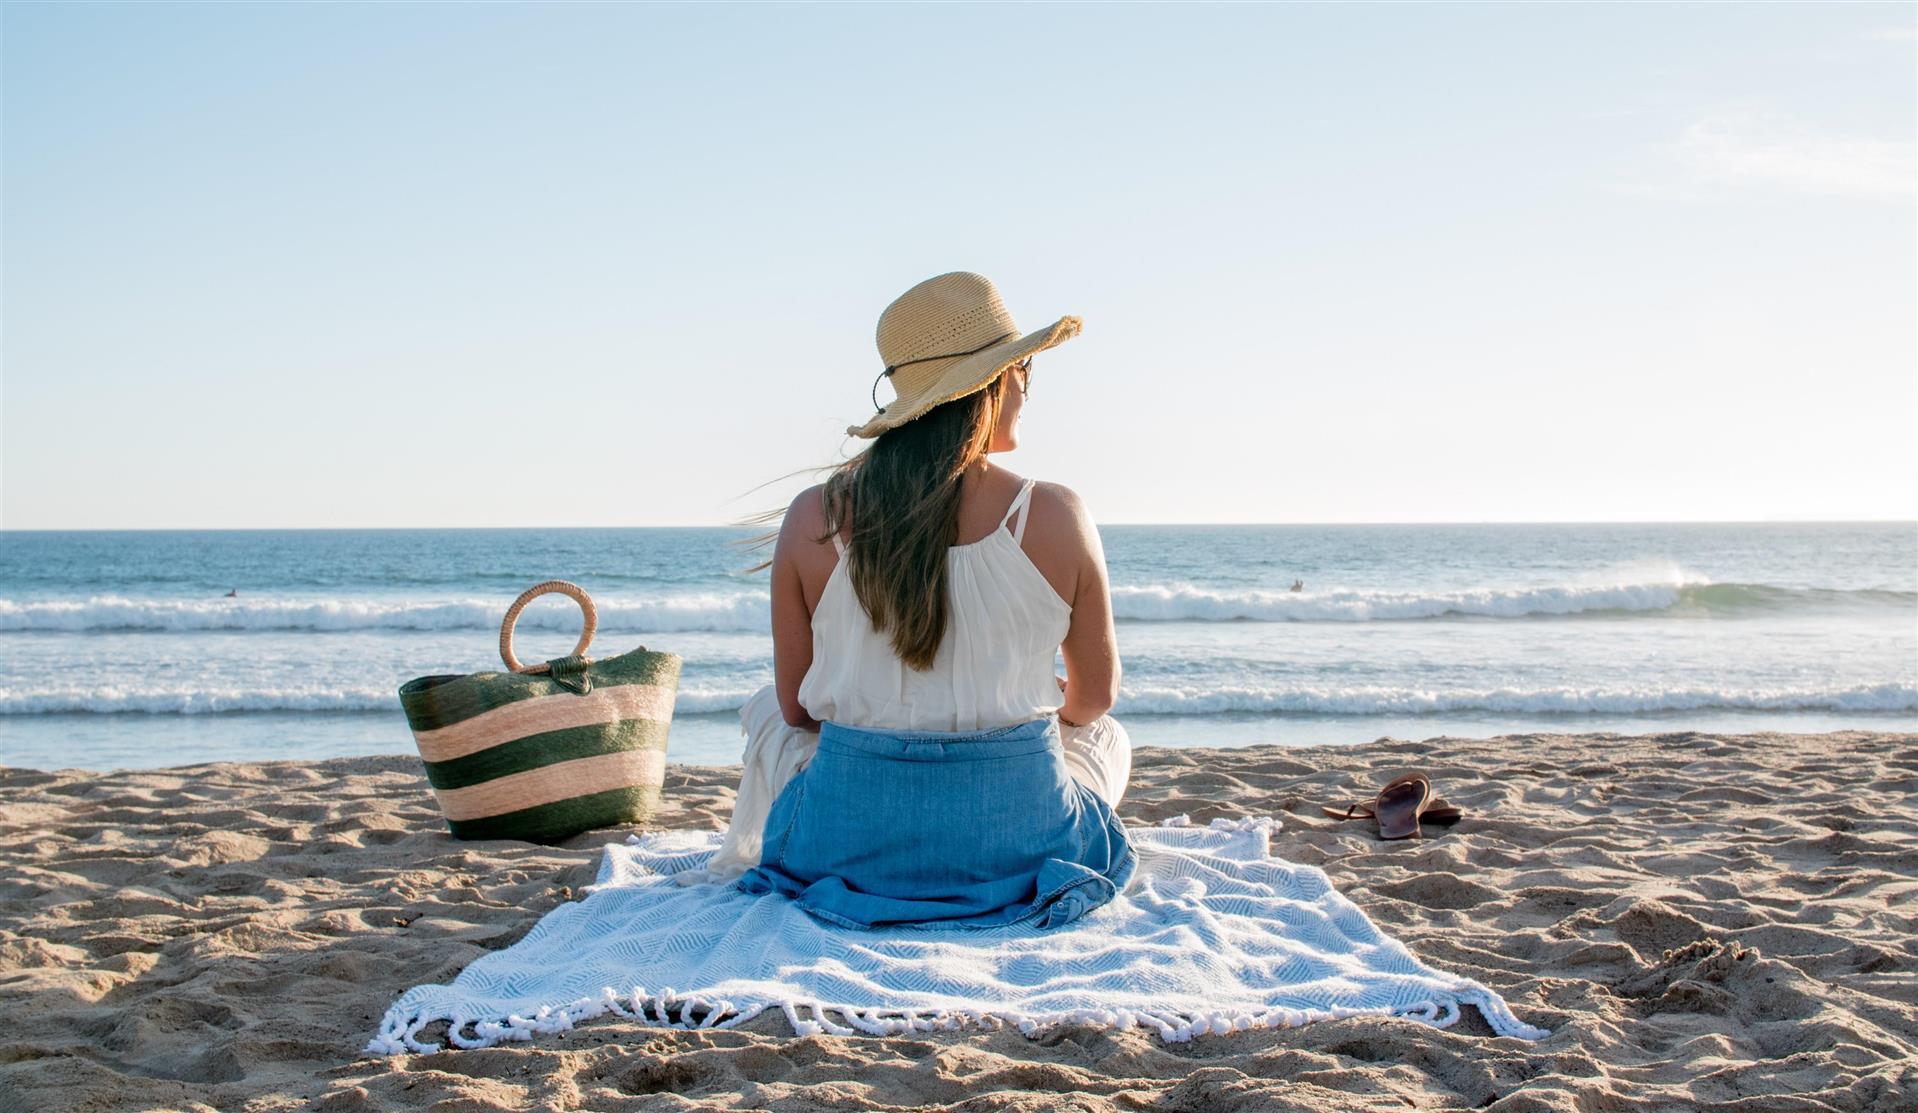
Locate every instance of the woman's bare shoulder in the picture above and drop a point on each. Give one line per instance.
(1061, 526)
(806, 515)
(812, 501)
(1060, 504)
(1059, 537)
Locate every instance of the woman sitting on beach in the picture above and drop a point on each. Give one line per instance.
(916, 759)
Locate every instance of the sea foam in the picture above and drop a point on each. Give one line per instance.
(751, 612)
(1890, 696)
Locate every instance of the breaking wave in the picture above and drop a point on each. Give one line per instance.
(741, 611)
(1376, 700)
(750, 611)
(1185, 603)
(1276, 700)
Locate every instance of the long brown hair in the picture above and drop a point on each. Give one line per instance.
(909, 482)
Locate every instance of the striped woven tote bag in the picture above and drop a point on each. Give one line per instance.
(542, 752)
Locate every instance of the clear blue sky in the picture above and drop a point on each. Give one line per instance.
(477, 265)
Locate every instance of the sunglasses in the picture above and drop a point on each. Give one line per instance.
(1024, 367)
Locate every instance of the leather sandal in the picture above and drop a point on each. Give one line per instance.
(1442, 813)
(1400, 806)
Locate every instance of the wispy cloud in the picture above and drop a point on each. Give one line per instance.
(1893, 34)
(1745, 151)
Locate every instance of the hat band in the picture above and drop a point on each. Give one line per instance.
(877, 408)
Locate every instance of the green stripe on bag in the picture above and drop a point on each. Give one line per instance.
(562, 818)
(547, 748)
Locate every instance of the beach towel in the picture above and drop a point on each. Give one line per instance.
(1211, 934)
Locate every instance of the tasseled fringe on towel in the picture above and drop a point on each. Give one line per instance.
(665, 1009)
(668, 1009)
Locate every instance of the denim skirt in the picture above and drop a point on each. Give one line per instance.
(974, 829)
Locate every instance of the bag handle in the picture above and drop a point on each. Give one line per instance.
(550, 587)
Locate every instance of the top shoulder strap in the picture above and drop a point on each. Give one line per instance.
(1019, 500)
(838, 543)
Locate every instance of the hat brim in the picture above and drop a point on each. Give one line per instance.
(968, 374)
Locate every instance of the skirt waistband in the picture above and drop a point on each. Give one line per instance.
(1031, 737)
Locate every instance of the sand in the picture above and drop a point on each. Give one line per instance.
(1705, 921)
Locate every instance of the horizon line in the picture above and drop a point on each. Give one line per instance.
(731, 526)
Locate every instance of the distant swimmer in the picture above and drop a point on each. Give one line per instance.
(1298, 585)
(235, 593)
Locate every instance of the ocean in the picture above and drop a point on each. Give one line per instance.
(123, 649)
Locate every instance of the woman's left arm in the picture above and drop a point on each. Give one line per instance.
(792, 622)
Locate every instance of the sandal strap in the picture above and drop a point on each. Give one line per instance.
(1363, 810)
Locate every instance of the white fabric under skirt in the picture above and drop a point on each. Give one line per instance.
(1098, 755)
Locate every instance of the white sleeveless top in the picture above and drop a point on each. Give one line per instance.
(994, 667)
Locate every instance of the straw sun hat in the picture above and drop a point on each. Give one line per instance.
(945, 338)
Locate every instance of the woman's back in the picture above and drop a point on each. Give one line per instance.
(994, 666)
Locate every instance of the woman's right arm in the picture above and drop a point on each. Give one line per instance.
(1091, 646)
